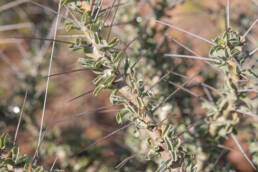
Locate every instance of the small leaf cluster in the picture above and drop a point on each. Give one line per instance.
(10, 160)
(223, 116)
(116, 72)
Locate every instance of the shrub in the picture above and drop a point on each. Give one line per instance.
(187, 143)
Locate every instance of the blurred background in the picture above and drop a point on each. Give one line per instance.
(74, 117)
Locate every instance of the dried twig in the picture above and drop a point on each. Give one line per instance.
(105, 137)
(66, 72)
(250, 28)
(81, 95)
(227, 15)
(20, 118)
(242, 151)
(182, 30)
(191, 57)
(12, 4)
(47, 84)
(15, 26)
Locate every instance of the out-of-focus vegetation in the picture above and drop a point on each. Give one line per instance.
(131, 103)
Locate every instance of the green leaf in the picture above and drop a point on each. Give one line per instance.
(86, 18)
(98, 71)
(120, 115)
(149, 141)
(168, 143)
(226, 53)
(113, 96)
(164, 165)
(96, 37)
(9, 161)
(113, 42)
(117, 99)
(98, 89)
(68, 28)
(38, 169)
(174, 155)
(166, 128)
(108, 82)
(99, 62)
(140, 102)
(65, 2)
(3, 141)
(81, 164)
(130, 108)
(132, 83)
(127, 64)
(98, 79)
(23, 159)
(15, 153)
(117, 58)
(88, 63)
(152, 154)
(87, 50)
(251, 73)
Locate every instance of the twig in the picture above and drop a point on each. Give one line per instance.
(252, 52)
(187, 32)
(192, 57)
(122, 163)
(110, 7)
(226, 148)
(43, 6)
(93, 6)
(164, 76)
(227, 15)
(20, 118)
(202, 83)
(66, 72)
(193, 52)
(159, 45)
(52, 167)
(187, 90)
(100, 7)
(250, 28)
(248, 90)
(207, 92)
(105, 137)
(219, 157)
(242, 150)
(15, 26)
(47, 84)
(41, 39)
(12, 4)
(71, 36)
(185, 47)
(81, 95)
(108, 12)
(169, 97)
(112, 22)
(247, 113)
(100, 109)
